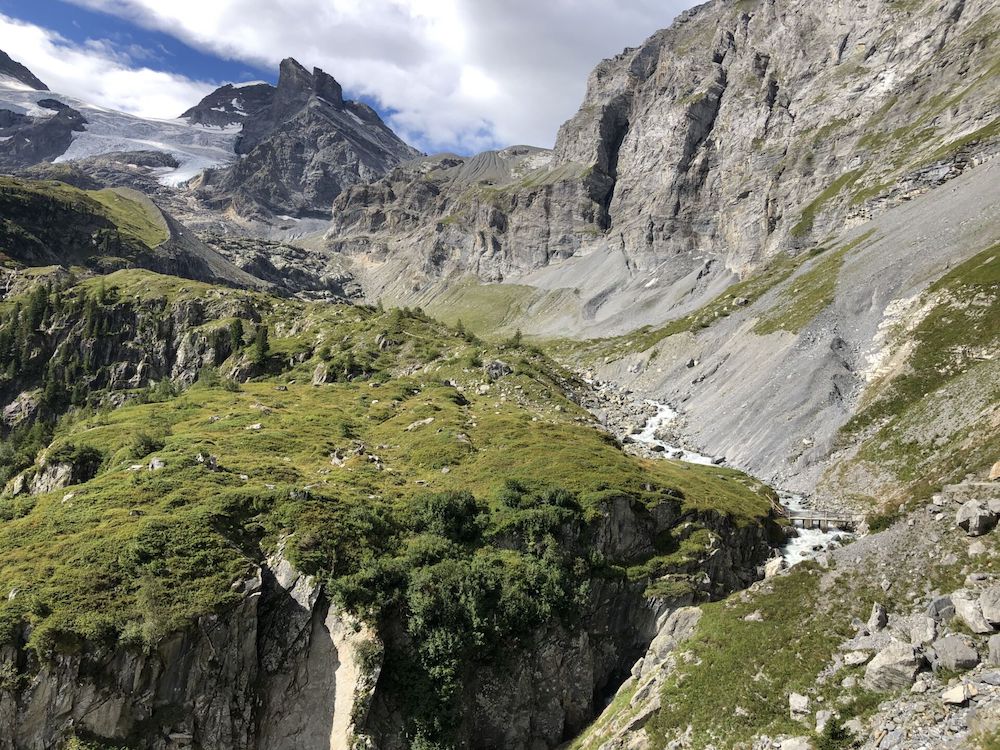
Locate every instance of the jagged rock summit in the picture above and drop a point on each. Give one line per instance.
(302, 142)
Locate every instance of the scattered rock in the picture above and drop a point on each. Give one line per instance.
(994, 650)
(155, 464)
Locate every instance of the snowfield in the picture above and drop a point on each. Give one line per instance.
(195, 147)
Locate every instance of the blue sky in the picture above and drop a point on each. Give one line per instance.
(447, 75)
(162, 51)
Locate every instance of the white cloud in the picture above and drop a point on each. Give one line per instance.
(455, 74)
(98, 73)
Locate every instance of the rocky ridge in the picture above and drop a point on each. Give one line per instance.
(13, 69)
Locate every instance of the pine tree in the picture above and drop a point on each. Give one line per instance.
(261, 345)
(236, 335)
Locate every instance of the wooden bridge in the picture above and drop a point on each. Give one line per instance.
(813, 519)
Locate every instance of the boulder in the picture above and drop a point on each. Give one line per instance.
(895, 667)
(419, 423)
(798, 706)
(975, 518)
(954, 653)
(856, 658)
(822, 719)
(878, 618)
(989, 603)
(320, 374)
(796, 743)
(969, 612)
(995, 472)
(959, 694)
(774, 566)
(922, 630)
(941, 609)
(496, 369)
(994, 650)
(976, 549)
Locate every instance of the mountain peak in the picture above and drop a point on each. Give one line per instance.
(326, 87)
(296, 85)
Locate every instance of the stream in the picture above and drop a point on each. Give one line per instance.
(805, 546)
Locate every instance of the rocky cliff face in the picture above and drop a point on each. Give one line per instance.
(17, 71)
(544, 690)
(746, 130)
(27, 139)
(302, 142)
(283, 669)
(231, 105)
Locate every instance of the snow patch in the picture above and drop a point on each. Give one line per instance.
(9, 82)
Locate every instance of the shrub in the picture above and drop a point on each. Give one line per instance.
(142, 444)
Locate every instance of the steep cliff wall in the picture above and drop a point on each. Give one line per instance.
(745, 130)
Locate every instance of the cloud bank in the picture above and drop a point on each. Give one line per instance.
(450, 74)
(99, 73)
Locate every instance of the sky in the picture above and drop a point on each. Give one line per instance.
(447, 75)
